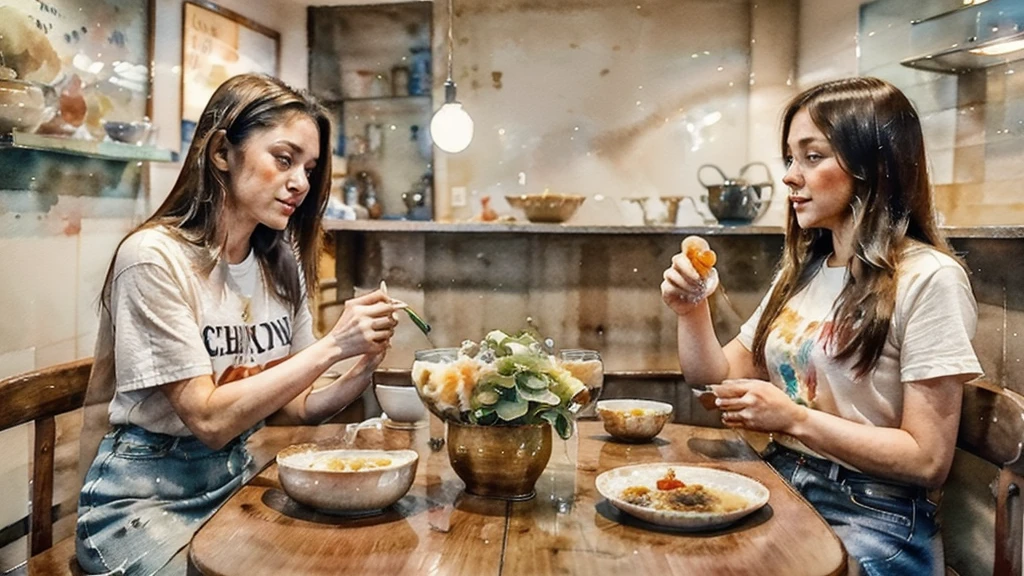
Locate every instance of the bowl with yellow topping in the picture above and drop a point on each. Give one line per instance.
(350, 482)
(634, 420)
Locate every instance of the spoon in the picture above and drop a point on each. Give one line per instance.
(352, 430)
(416, 319)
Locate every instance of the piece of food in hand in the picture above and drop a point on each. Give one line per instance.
(706, 397)
(700, 255)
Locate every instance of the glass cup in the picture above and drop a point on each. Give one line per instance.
(426, 361)
(586, 365)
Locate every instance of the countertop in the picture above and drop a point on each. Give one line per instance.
(410, 226)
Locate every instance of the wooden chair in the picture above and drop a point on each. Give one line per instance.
(992, 433)
(39, 397)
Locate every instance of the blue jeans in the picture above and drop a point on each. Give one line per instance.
(146, 494)
(887, 527)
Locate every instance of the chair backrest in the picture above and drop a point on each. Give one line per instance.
(992, 428)
(38, 397)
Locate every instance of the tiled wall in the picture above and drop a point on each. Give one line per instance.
(602, 98)
(55, 245)
(973, 122)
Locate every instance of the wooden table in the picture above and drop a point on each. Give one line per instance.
(567, 529)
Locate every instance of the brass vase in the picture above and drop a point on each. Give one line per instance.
(499, 461)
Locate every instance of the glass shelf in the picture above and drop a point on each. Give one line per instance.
(105, 150)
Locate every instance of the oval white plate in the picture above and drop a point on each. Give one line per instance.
(611, 484)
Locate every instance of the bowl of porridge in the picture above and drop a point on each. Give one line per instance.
(346, 481)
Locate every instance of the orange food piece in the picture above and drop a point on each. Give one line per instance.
(671, 484)
(669, 481)
(700, 255)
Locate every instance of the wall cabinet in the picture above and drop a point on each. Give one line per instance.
(371, 67)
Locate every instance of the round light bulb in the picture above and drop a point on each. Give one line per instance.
(451, 128)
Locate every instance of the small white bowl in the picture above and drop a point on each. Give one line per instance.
(400, 403)
(306, 474)
(634, 420)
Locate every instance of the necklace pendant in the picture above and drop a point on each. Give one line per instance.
(246, 310)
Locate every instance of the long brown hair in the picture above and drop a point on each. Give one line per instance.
(242, 106)
(876, 135)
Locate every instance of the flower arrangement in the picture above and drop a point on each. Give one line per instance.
(500, 381)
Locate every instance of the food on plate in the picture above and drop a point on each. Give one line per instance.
(700, 255)
(673, 495)
(349, 464)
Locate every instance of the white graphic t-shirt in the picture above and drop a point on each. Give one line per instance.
(930, 336)
(172, 321)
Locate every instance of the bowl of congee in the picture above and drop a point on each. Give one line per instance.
(346, 481)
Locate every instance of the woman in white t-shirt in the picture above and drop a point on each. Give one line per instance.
(856, 358)
(206, 332)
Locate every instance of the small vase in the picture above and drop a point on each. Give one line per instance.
(499, 461)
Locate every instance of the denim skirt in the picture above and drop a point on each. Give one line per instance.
(146, 494)
(887, 527)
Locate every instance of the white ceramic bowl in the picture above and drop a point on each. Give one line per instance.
(313, 476)
(400, 403)
(612, 483)
(634, 420)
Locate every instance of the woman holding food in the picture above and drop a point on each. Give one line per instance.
(842, 361)
(206, 332)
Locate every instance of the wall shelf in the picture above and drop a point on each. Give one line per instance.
(104, 150)
(382, 99)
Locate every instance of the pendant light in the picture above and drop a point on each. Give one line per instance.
(451, 128)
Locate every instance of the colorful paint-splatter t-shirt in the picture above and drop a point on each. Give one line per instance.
(930, 336)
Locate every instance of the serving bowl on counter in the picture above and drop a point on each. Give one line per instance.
(346, 482)
(547, 207)
(634, 420)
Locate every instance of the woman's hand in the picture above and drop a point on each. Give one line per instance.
(691, 278)
(756, 405)
(366, 326)
(366, 366)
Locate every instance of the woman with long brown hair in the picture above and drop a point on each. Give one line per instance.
(856, 358)
(206, 332)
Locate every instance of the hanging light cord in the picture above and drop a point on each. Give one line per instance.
(451, 42)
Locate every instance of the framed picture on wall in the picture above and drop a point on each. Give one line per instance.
(216, 45)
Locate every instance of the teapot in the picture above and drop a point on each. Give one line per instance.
(735, 200)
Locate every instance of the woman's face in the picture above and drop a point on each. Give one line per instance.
(820, 191)
(268, 176)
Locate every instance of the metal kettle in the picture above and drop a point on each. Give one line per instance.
(736, 200)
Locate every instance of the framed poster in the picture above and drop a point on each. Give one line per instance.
(216, 45)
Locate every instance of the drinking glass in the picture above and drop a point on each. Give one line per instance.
(586, 366)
